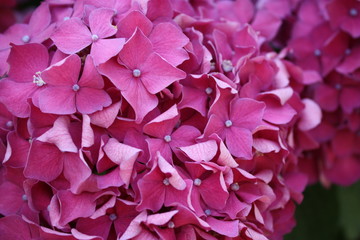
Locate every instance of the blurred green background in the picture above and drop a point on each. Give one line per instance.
(328, 214)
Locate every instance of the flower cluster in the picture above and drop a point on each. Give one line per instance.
(174, 119)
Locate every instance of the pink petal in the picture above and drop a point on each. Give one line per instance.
(40, 19)
(214, 184)
(26, 60)
(311, 115)
(90, 100)
(175, 179)
(132, 21)
(104, 49)
(227, 228)
(136, 50)
(160, 218)
(60, 136)
(246, 113)
(171, 46)
(204, 151)
(123, 155)
(63, 73)
(16, 151)
(11, 198)
(14, 228)
(239, 142)
(106, 117)
(350, 99)
(50, 97)
(100, 21)
(44, 162)
(90, 76)
(152, 191)
(163, 124)
(118, 74)
(158, 74)
(72, 36)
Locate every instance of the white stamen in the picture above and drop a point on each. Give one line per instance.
(227, 66)
(112, 217)
(212, 66)
(24, 197)
(317, 52)
(171, 224)
(235, 186)
(38, 80)
(136, 73)
(208, 212)
(167, 138)
(166, 182)
(353, 12)
(208, 90)
(76, 87)
(9, 124)
(228, 123)
(94, 37)
(197, 182)
(26, 38)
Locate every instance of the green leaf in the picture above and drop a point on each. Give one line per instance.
(318, 216)
(349, 210)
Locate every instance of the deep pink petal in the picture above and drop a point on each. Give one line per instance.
(104, 49)
(90, 100)
(76, 170)
(227, 228)
(135, 19)
(152, 191)
(50, 97)
(26, 60)
(44, 162)
(90, 76)
(239, 142)
(72, 36)
(157, 74)
(118, 74)
(17, 151)
(11, 200)
(100, 21)
(246, 113)
(214, 184)
(14, 228)
(136, 50)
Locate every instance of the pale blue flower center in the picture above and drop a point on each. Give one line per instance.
(171, 224)
(9, 124)
(24, 197)
(208, 90)
(26, 38)
(166, 182)
(197, 182)
(167, 138)
(235, 186)
(76, 87)
(208, 212)
(317, 52)
(353, 12)
(112, 217)
(227, 66)
(136, 73)
(228, 123)
(95, 37)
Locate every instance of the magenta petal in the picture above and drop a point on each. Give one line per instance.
(14, 96)
(246, 113)
(158, 74)
(14, 228)
(17, 151)
(90, 100)
(63, 73)
(118, 74)
(72, 36)
(40, 19)
(26, 60)
(76, 170)
(104, 49)
(50, 97)
(90, 76)
(204, 151)
(175, 179)
(350, 99)
(44, 162)
(135, 19)
(136, 50)
(239, 141)
(171, 46)
(214, 184)
(100, 22)
(106, 117)
(11, 198)
(152, 191)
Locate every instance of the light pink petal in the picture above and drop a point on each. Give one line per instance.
(171, 46)
(15, 95)
(44, 162)
(87, 135)
(104, 49)
(204, 151)
(50, 97)
(100, 21)
(311, 116)
(275, 113)
(225, 158)
(123, 155)
(135, 19)
(134, 228)
(157, 74)
(26, 60)
(72, 36)
(60, 136)
(227, 228)
(163, 124)
(239, 142)
(136, 50)
(175, 179)
(90, 76)
(63, 73)
(160, 218)
(106, 117)
(90, 100)
(40, 19)
(246, 113)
